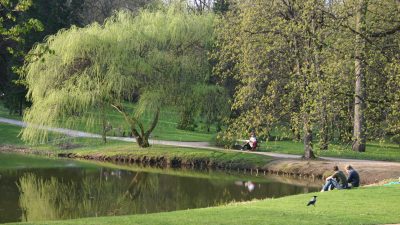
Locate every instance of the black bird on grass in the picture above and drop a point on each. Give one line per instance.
(312, 201)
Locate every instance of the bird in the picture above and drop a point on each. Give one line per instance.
(312, 201)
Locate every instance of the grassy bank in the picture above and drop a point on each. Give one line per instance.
(94, 148)
(170, 155)
(375, 150)
(372, 205)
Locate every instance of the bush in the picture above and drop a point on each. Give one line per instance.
(225, 140)
(396, 139)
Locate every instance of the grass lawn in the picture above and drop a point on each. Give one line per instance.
(372, 205)
(9, 135)
(5, 113)
(235, 159)
(23, 161)
(374, 150)
(87, 146)
(165, 130)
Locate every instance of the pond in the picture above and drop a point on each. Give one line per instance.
(33, 188)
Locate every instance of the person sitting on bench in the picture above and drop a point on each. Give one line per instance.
(250, 144)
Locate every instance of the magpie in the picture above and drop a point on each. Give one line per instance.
(312, 201)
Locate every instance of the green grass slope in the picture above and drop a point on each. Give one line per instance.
(375, 150)
(372, 205)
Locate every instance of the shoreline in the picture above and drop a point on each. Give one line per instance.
(307, 169)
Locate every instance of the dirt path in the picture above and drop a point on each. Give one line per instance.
(371, 171)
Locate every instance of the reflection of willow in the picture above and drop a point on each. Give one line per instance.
(43, 199)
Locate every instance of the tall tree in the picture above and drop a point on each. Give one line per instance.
(161, 54)
(271, 54)
(360, 95)
(14, 26)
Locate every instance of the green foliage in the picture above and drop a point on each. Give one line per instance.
(226, 140)
(221, 6)
(162, 55)
(293, 65)
(210, 103)
(15, 26)
(11, 28)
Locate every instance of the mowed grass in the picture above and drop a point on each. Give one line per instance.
(374, 150)
(23, 161)
(372, 205)
(95, 147)
(222, 157)
(166, 128)
(9, 135)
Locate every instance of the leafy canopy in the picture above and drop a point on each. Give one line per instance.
(160, 55)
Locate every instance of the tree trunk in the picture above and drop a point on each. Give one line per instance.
(21, 100)
(324, 135)
(307, 132)
(316, 46)
(104, 121)
(143, 141)
(308, 152)
(142, 137)
(359, 97)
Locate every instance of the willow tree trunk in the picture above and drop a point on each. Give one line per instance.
(104, 124)
(142, 136)
(143, 141)
(359, 96)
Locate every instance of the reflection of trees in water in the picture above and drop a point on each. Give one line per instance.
(119, 192)
(46, 199)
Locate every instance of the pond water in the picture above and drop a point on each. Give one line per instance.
(35, 188)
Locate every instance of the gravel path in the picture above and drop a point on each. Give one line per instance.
(202, 145)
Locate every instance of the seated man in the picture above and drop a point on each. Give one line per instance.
(251, 144)
(336, 180)
(354, 179)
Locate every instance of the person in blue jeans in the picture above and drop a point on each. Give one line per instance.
(337, 180)
(354, 179)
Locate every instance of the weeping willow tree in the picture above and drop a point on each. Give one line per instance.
(159, 55)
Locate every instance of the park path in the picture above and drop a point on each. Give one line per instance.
(201, 145)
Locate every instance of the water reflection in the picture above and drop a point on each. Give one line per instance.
(37, 194)
(119, 192)
(61, 199)
(248, 184)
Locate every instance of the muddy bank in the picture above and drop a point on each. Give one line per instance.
(166, 161)
(370, 171)
(24, 150)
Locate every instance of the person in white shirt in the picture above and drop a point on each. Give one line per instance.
(250, 144)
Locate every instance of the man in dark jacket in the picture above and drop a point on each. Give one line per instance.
(354, 179)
